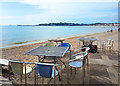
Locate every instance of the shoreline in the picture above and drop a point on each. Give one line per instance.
(17, 52)
(20, 41)
(42, 41)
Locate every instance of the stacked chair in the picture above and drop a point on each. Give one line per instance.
(78, 60)
(108, 45)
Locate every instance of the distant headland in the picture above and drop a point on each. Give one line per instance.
(74, 24)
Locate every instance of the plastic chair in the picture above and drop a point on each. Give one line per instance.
(108, 44)
(66, 45)
(46, 70)
(74, 63)
(18, 69)
(82, 51)
(52, 44)
(78, 63)
(4, 62)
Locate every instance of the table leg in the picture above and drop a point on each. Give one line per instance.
(57, 70)
(39, 57)
(62, 62)
(54, 70)
(91, 42)
(83, 42)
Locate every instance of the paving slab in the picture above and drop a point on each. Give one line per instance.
(113, 74)
(4, 81)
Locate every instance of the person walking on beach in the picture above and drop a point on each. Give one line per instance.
(118, 29)
(111, 30)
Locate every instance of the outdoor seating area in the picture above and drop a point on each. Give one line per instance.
(55, 64)
(48, 69)
(59, 43)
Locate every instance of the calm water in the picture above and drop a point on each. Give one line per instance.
(18, 34)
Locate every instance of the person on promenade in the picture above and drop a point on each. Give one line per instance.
(111, 30)
(118, 29)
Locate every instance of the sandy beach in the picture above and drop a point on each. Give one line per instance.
(102, 69)
(18, 52)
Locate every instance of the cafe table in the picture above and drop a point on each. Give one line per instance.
(85, 41)
(49, 51)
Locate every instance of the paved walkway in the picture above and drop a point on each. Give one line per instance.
(112, 69)
(102, 70)
(4, 81)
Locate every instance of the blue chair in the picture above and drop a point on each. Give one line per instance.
(47, 70)
(66, 45)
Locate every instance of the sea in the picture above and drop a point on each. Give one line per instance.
(13, 35)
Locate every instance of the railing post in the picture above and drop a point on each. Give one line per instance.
(35, 76)
(9, 70)
(70, 54)
(25, 75)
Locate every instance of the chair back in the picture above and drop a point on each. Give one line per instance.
(52, 44)
(4, 62)
(44, 70)
(17, 67)
(110, 42)
(87, 49)
(83, 60)
(66, 45)
(84, 57)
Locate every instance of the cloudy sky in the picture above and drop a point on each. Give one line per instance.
(45, 11)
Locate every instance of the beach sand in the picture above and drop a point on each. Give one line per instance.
(18, 52)
(102, 69)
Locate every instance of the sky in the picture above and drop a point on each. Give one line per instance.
(14, 12)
